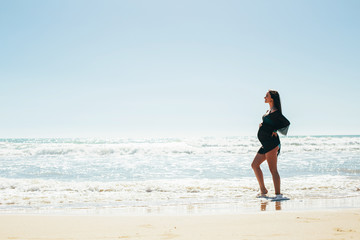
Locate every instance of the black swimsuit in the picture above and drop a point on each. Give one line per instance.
(272, 122)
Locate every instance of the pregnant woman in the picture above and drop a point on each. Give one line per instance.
(273, 121)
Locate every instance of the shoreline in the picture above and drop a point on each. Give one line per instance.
(72, 213)
(194, 209)
(326, 224)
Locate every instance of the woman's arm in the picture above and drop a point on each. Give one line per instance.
(281, 124)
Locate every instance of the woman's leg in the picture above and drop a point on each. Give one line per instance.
(258, 160)
(271, 158)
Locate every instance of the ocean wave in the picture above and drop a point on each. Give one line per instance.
(211, 158)
(170, 147)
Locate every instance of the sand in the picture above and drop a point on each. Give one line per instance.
(331, 224)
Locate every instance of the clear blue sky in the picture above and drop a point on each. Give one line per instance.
(177, 68)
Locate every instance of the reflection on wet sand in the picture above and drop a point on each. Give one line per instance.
(264, 205)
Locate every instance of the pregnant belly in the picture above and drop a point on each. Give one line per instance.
(264, 134)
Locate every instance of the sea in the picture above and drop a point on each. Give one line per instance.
(204, 175)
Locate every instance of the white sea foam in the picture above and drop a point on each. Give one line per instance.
(49, 194)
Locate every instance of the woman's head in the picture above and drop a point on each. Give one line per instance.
(274, 96)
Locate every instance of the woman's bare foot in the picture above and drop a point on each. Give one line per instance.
(264, 191)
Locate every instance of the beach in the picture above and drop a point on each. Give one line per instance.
(177, 188)
(330, 224)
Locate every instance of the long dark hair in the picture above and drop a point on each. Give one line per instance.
(276, 97)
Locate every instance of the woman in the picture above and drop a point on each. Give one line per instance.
(273, 121)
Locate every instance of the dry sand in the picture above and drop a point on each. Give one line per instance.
(332, 224)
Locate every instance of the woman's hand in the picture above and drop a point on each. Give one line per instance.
(274, 134)
(260, 125)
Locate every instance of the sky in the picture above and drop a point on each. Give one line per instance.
(83, 68)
